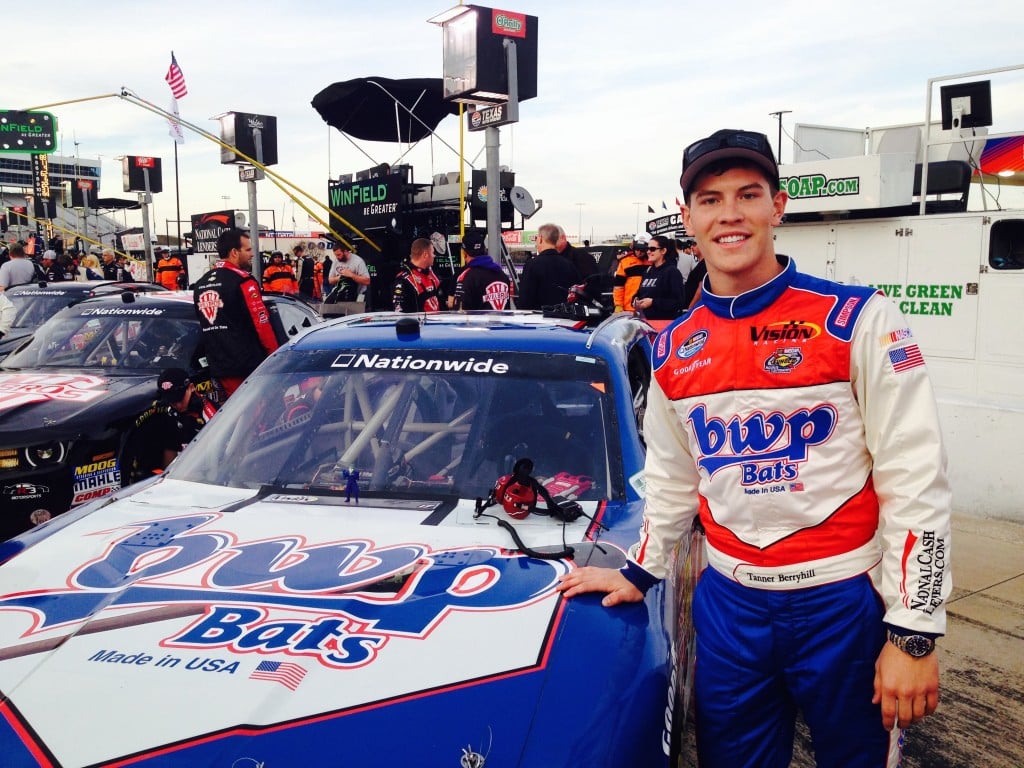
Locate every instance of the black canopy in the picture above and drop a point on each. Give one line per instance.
(365, 107)
(115, 204)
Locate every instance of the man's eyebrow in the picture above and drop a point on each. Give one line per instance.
(745, 188)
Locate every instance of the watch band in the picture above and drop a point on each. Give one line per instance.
(917, 646)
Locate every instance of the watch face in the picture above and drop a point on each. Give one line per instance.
(918, 646)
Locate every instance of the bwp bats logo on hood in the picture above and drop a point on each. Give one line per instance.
(352, 595)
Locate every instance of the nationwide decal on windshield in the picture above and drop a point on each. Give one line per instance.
(335, 602)
(119, 311)
(20, 389)
(407, 362)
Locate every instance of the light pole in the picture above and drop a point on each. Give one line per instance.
(579, 225)
(778, 115)
(637, 230)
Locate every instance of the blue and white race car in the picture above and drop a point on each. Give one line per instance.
(356, 563)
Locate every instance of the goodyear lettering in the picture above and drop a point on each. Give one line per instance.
(761, 440)
(696, 364)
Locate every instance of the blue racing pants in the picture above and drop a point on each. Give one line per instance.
(763, 655)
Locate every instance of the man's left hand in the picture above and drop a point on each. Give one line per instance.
(907, 688)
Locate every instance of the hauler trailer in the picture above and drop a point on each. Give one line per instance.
(957, 275)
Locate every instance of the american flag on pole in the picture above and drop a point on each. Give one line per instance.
(905, 358)
(176, 79)
(284, 672)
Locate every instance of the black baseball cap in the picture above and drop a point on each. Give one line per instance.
(474, 244)
(728, 144)
(172, 384)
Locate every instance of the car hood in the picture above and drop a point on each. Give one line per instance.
(13, 339)
(67, 402)
(215, 626)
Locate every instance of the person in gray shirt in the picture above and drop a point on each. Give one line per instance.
(19, 270)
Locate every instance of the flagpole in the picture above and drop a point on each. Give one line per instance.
(177, 195)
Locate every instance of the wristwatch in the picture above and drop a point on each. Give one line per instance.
(917, 646)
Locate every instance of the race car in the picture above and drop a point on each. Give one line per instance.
(70, 397)
(356, 562)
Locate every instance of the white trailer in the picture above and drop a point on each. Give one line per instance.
(957, 275)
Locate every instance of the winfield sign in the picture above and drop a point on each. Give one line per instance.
(34, 132)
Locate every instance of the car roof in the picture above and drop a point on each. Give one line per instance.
(176, 303)
(173, 303)
(82, 287)
(509, 331)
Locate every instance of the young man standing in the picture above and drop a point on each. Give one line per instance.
(234, 320)
(815, 463)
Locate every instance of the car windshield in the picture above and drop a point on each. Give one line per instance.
(408, 427)
(109, 341)
(34, 309)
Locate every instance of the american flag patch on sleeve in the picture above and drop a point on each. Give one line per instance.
(905, 358)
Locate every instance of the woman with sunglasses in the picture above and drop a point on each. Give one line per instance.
(660, 295)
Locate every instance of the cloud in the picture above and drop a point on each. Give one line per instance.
(623, 87)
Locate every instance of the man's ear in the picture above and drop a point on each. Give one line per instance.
(779, 203)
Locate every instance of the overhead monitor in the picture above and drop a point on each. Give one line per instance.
(966, 105)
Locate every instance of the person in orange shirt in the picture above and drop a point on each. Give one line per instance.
(318, 280)
(168, 268)
(279, 276)
(629, 274)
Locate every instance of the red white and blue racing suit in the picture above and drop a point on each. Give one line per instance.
(798, 421)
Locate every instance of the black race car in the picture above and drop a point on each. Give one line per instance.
(71, 395)
(36, 303)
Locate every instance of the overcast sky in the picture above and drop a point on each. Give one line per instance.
(622, 87)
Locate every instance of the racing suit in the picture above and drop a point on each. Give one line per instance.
(416, 290)
(237, 333)
(628, 275)
(798, 421)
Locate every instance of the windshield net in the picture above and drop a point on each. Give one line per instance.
(408, 424)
